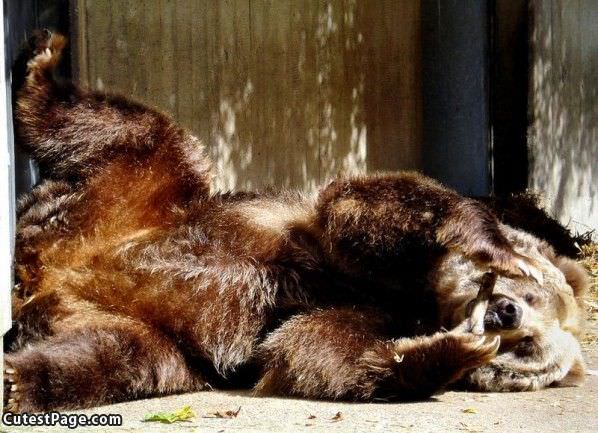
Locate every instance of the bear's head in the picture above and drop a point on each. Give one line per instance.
(539, 324)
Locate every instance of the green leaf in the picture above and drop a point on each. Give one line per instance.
(185, 414)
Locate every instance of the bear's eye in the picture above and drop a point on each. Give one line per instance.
(530, 299)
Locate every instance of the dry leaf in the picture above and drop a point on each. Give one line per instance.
(465, 427)
(337, 417)
(228, 414)
(469, 410)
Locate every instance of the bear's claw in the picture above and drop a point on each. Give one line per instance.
(478, 351)
(11, 389)
(530, 270)
(46, 47)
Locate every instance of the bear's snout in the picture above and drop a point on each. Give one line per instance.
(504, 313)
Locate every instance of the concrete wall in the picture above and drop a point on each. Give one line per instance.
(563, 133)
(285, 93)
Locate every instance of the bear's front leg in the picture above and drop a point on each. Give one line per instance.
(94, 365)
(366, 223)
(343, 354)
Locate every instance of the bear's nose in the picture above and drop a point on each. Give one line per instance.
(509, 313)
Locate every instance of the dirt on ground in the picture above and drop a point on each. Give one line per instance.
(557, 410)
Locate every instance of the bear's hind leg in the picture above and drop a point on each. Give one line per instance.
(95, 365)
(75, 133)
(341, 354)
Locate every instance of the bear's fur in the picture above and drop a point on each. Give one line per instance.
(135, 279)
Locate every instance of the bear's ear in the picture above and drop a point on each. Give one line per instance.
(575, 274)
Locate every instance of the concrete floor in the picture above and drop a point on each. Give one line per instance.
(552, 410)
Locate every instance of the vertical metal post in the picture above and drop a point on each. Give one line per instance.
(7, 192)
(456, 125)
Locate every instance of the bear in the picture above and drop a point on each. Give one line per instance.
(135, 279)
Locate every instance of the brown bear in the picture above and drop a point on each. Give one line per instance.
(136, 279)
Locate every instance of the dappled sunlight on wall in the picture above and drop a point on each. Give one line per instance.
(563, 134)
(282, 93)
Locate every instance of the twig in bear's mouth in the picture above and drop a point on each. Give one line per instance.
(480, 305)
